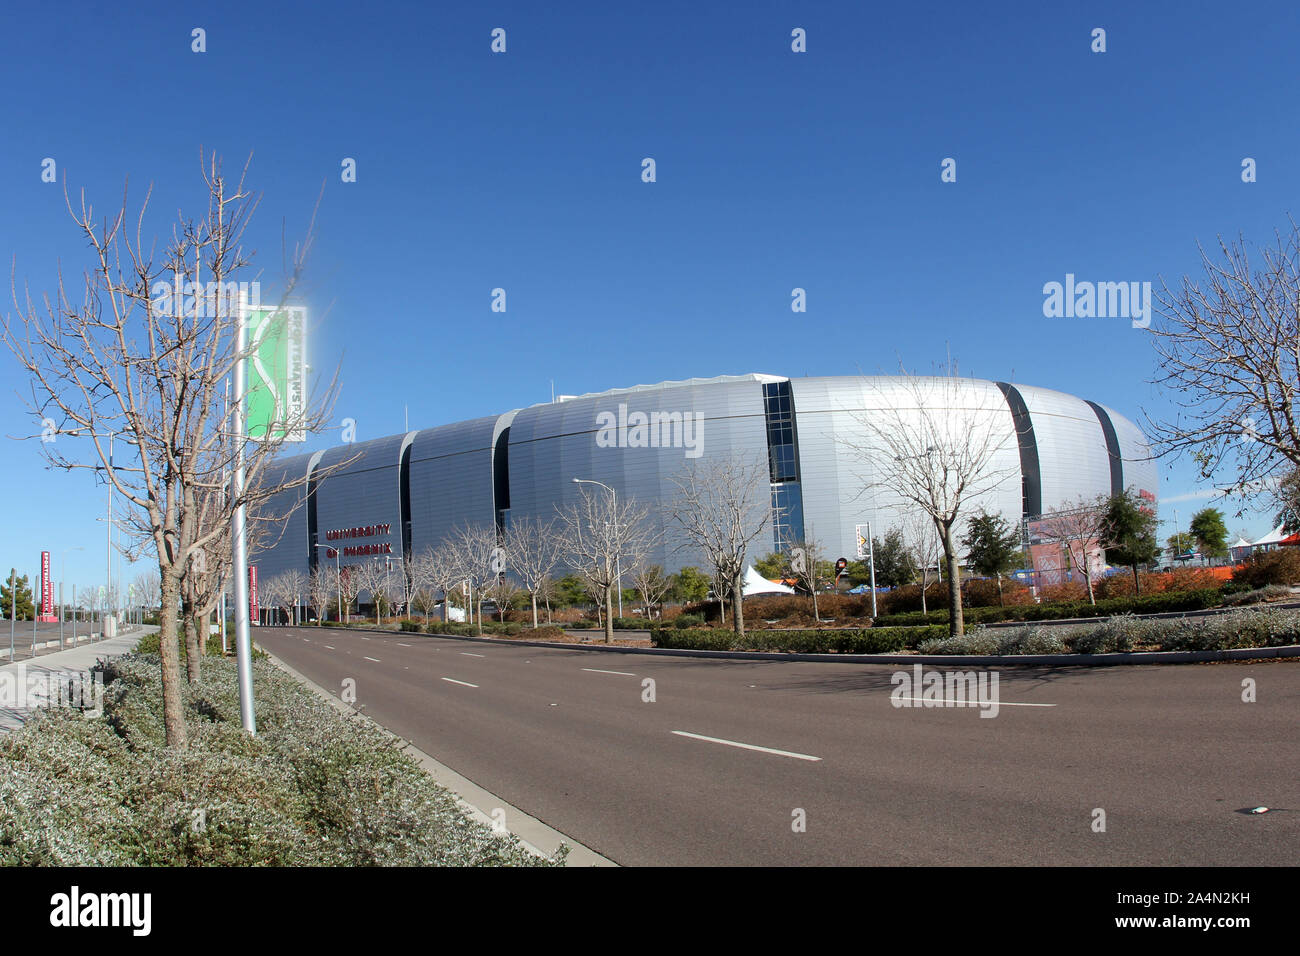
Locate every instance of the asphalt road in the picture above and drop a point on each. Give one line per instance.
(1170, 754)
(22, 635)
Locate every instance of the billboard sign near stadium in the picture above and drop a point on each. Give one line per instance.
(277, 386)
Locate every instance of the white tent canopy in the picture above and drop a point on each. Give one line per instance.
(756, 584)
(1273, 537)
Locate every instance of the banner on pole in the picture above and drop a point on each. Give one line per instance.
(47, 591)
(863, 534)
(252, 594)
(277, 379)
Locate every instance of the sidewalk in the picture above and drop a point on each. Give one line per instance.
(64, 664)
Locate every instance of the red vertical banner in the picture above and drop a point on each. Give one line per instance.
(252, 594)
(47, 590)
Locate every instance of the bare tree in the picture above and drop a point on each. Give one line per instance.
(653, 586)
(600, 536)
(285, 591)
(804, 562)
(934, 445)
(349, 586)
(1078, 529)
(442, 572)
(120, 358)
(295, 583)
(533, 550)
(1229, 362)
(145, 588)
(720, 509)
(469, 551)
(923, 541)
(371, 580)
(322, 588)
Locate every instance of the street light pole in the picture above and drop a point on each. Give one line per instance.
(63, 570)
(618, 557)
(239, 541)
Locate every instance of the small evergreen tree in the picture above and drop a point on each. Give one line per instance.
(895, 565)
(26, 609)
(992, 546)
(1130, 533)
(1210, 532)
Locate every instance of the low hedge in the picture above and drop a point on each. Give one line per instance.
(313, 788)
(149, 644)
(872, 640)
(1164, 603)
(495, 628)
(1248, 627)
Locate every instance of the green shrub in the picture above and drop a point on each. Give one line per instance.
(1249, 627)
(150, 644)
(874, 640)
(1246, 595)
(1281, 566)
(1165, 602)
(1012, 641)
(314, 788)
(629, 624)
(683, 621)
(409, 625)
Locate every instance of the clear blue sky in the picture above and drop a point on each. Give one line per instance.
(775, 170)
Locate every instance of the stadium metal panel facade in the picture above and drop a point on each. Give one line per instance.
(399, 495)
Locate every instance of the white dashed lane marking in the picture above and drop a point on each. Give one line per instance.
(737, 743)
(452, 680)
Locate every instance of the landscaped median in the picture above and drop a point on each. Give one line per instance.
(870, 640)
(1231, 630)
(313, 788)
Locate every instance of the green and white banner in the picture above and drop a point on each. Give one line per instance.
(277, 379)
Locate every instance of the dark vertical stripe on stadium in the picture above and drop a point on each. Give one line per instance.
(1031, 478)
(313, 552)
(404, 493)
(501, 477)
(1112, 448)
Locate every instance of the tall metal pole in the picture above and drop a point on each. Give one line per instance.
(871, 550)
(13, 610)
(108, 542)
(239, 542)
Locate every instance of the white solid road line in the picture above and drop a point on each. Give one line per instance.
(462, 683)
(468, 654)
(941, 705)
(736, 743)
(375, 659)
(597, 670)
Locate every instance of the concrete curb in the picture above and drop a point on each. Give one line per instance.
(536, 836)
(1011, 660)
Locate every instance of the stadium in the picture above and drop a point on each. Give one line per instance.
(400, 495)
